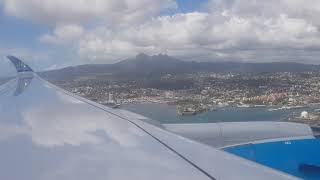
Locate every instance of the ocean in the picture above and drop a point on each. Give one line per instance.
(167, 114)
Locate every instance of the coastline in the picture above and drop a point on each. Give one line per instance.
(208, 108)
(166, 113)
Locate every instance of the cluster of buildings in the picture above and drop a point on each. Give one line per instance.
(210, 90)
(267, 99)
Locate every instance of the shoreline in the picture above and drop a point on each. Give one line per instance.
(167, 114)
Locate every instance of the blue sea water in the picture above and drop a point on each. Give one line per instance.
(167, 114)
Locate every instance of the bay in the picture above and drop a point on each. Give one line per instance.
(167, 114)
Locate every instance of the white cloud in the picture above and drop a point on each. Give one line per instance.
(63, 34)
(239, 30)
(206, 36)
(298, 9)
(71, 11)
(162, 34)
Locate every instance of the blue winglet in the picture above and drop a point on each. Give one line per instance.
(20, 66)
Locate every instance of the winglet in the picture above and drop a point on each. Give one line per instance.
(19, 65)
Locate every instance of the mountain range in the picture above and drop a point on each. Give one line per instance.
(144, 65)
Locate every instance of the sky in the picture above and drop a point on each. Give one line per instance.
(51, 34)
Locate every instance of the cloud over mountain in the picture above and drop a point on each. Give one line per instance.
(228, 30)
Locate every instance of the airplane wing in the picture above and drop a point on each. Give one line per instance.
(47, 133)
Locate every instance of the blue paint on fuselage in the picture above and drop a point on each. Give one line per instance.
(300, 158)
